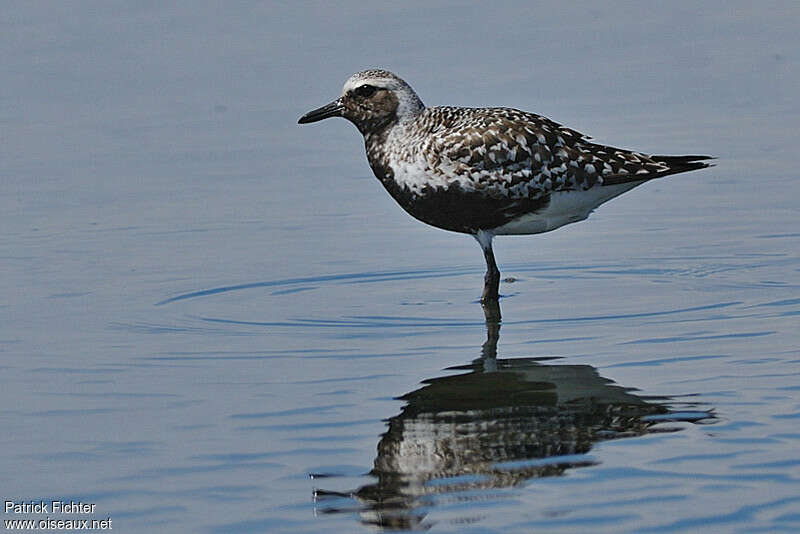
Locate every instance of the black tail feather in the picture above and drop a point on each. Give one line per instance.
(676, 164)
(684, 160)
(679, 164)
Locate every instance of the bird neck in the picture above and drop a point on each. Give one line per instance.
(375, 144)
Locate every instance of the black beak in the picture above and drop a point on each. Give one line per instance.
(334, 109)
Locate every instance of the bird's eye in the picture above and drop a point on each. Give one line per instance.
(365, 90)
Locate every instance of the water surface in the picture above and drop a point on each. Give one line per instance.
(217, 321)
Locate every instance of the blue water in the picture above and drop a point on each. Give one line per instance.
(214, 320)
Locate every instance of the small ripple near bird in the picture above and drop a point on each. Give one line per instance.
(486, 171)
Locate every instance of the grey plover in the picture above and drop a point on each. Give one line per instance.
(486, 171)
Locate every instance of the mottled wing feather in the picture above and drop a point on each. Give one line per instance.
(508, 153)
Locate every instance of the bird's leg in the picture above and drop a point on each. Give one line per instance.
(491, 282)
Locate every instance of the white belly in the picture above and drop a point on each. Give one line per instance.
(565, 207)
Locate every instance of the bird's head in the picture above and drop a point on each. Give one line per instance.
(371, 99)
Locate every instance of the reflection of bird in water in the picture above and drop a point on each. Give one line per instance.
(497, 425)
